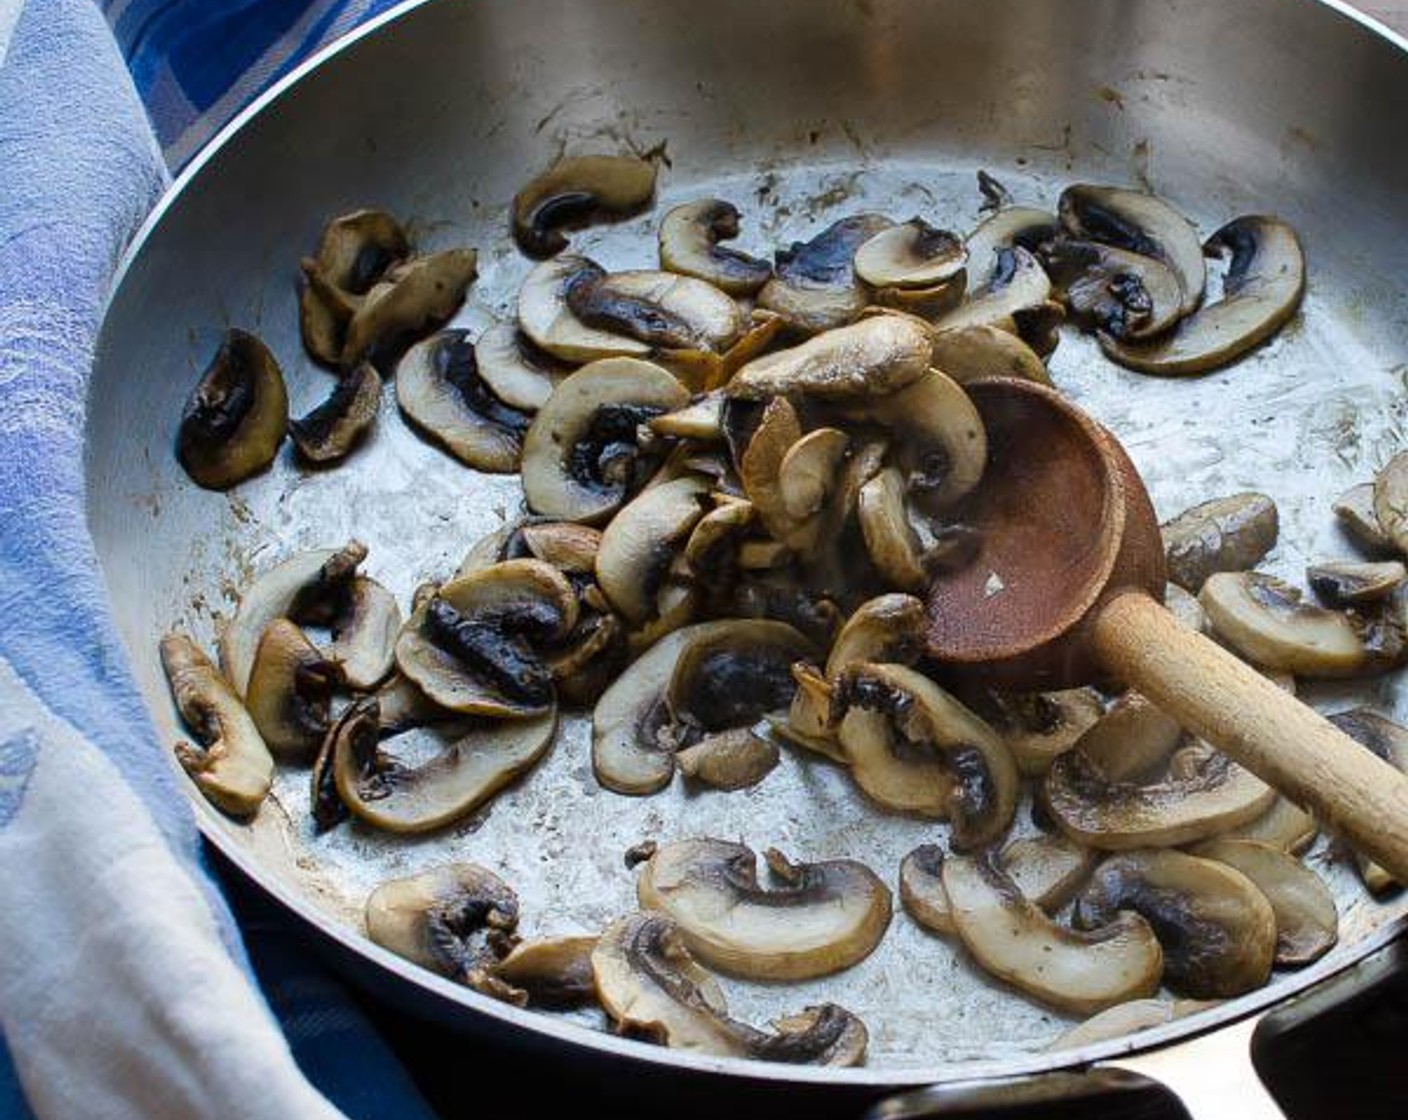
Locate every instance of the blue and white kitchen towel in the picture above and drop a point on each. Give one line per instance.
(124, 993)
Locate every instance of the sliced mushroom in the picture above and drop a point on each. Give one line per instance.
(473, 763)
(554, 974)
(809, 471)
(476, 646)
(1076, 972)
(364, 629)
(1389, 741)
(689, 244)
(440, 390)
(1040, 726)
(1345, 583)
(1355, 509)
(1261, 291)
(729, 760)
(1017, 284)
(815, 287)
(659, 308)
(653, 990)
(1184, 606)
(411, 299)
(518, 373)
(457, 920)
(914, 748)
(868, 359)
(700, 420)
(1126, 1019)
(231, 765)
(1285, 825)
(543, 314)
(640, 543)
(404, 706)
(911, 255)
(887, 628)
(1307, 924)
(760, 469)
(330, 432)
(583, 455)
(1391, 501)
(1119, 293)
(1217, 795)
(982, 350)
(1217, 929)
(889, 538)
(998, 234)
(1139, 223)
(290, 690)
(824, 917)
(1230, 534)
(234, 419)
(355, 251)
(1132, 738)
(576, 191)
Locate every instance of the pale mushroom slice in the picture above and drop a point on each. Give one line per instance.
(1307, 923)
(1389, 741)
(815, 287)
(1128, 1018)
(333, 429)
(231, 765)
(998, 234)
(1184, 606)
(1216, 794)
(1261, 291)
(290, 690)
(822, 918)
(1230, 534)
(1116, 292)
(476, 645)
(1217, 929)
(365, 622)
(413, 298)
(890, 539)
(662, 309)
(441, 392)
(576, 191)
(456, 920)
(654, 990)
(982, 350)
(914, 748)
(1138, 222)
(473, 763)
(913, 254)
(1016, 285)
(639, 544)
(1038, 727)
(1048, 870)
(1391, 501)
(1285, 825)
(234, 420)
(554, 973)
(810, 470)
(760, 472)
(355, 251)
(1355, 510)
(864, 360)
(518, 373)
(1076, 972)
(543, 315)
(700, 420)
(1266, 620)
(1130, 739)
(689, 244)
(583, 455)
(1344, 583)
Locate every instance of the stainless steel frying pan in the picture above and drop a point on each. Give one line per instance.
(799, 112)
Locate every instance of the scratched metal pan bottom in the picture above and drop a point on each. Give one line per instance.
(799, 111)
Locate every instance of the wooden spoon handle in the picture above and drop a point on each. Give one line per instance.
(1285, 743)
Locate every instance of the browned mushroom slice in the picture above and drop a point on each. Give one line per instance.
(868, 359)
(701, 420)
(689, 244)
(1230, 534)
(1177, 809)
(411, 299)
(474, 761)
(653, 990)
(640, 542)
(1076, 972)
(355, 251)
(889, 538)
(1217, 929)
(982, 350)
(543, 314)
(290, 690)
(1260, 292)
(1128, 1018)
(815, 287)
(1017, 284)
(583, 456)
(661, 309)
(1344, 583)
(999, 233)
(576, 191)
(365, 623)
(231, 765)
(1307, 924)
(515, 371)
(457, 920)
(1040, 726)
(1355, 509)
(1132, 738)
(234, 419)
(914, 748)
(823, 917)
(330, 432)
(911, 255)
(1389, 741)
(554, 974)
(735, 758)
(1114, 291)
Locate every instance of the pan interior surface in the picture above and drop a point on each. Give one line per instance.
(800, 113)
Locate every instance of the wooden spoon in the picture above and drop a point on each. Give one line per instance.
(1067, 591)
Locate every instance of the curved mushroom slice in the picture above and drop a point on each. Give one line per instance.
(355, 251)
(1346, 584)
(887, 628)
(701, 420)
(411, 299)
(404, 706)
(911, 255)
(1009, 228)
(689, 244)
(1307, 924)
(639, 544)
(809, 472)
(234, 419)
(729, 760)
(457, 920)
(1038, 727)
(1217, 929)
(1130, 739)
(1139, 223)
(982, 350)
(554, 974)
(290, 690)
(583, 454)
(1185, 608)
(1391, 501)
(653, 990)
(517, 372)
(1355, 510)
(926, 303)
(364, 629)
(760, 470)
(1216, 795)
(476, 645)
(914, 748)
(889, 538)
(440, 390)
(824, 917)
(1389, 741)
(1076, 972)
(543, 314)
(815, 287)
(475, 762)
(232, 766)
(1114, 291)
(659, 308)
(330, 432)
(576, 191)
(1017, 285)
(1285, 826)
(1128, 1018)
(1265, 620)
(1230, 534)
(868, 359)
(1261, 291)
